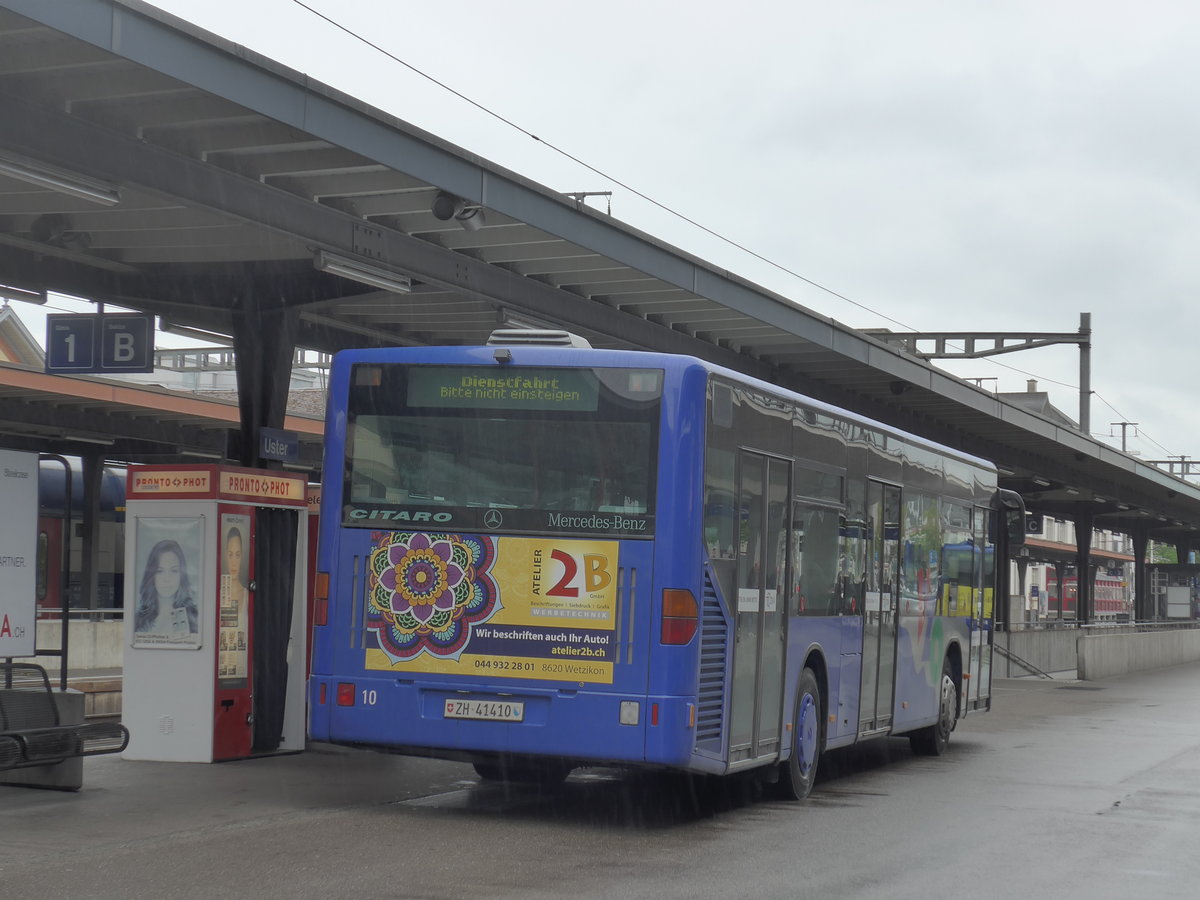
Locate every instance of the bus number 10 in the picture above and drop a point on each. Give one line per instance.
(369, 697)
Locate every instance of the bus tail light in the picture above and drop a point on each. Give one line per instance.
(345, 694)
(680, 617)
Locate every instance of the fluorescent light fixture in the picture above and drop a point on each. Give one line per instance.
(199, 334)
(362, 272)
(46, 176)
(8, 292)
(202, 454)
(103, 442)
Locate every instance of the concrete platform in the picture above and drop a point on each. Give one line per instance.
(1107, 769)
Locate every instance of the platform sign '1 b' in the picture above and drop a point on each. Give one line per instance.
(99, 343)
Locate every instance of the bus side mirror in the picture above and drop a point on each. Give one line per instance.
(1010, 506)
(1014, 519)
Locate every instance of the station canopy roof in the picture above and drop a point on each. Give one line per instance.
(147, 163)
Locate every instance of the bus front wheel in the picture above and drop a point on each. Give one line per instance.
(932, 740)
(797, 775)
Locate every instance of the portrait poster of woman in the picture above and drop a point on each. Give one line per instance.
(236, 538)
(169, 605)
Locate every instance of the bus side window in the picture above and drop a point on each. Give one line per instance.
(719, 519)
(815, 559)
(714, 527)
(851, 549)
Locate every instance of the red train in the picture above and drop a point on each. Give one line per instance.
(1111, 598)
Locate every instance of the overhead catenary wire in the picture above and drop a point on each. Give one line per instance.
(1140, 431)
(647, 198)
(597, 171)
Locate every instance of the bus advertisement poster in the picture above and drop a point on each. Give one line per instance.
(480, 605)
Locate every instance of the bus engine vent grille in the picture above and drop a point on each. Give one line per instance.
(714, 650)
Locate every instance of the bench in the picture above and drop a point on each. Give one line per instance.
(31, 733)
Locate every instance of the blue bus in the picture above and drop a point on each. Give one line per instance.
(537, 558)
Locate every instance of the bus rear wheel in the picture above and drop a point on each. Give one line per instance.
(799, 773)
(932, 740)
(523, 770)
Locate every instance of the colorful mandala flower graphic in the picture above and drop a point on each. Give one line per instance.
(425, 591)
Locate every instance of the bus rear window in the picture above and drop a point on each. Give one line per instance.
(533, 450)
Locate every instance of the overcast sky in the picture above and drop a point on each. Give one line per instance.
(944, 165)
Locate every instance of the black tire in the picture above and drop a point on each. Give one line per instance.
(932, 740)
(544, 772)
(489, 771)
(798, 774)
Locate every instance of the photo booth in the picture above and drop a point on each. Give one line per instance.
(215, 613)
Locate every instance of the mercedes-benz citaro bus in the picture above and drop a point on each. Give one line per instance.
(536, 557)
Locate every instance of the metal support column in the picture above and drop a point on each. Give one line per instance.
(264, 343)
(946, 346)
(1142, 611)
(89, 548)
(1084, 522)
(64, 562)
(1060, 571)
(1022, 561)
(1085, 373)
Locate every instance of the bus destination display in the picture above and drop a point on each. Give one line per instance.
(473, 388)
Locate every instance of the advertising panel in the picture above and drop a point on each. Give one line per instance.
(534, 608)
(151, 482)
(18, 552)
(234, 596)
(169, 600)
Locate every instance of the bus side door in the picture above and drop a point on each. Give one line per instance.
(880, 608)
(756, 700)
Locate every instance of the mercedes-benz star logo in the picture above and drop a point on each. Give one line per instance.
(493, 519)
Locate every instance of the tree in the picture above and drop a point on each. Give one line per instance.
(1162, 553)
